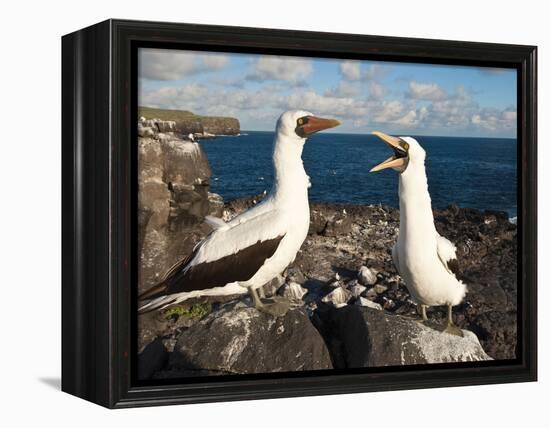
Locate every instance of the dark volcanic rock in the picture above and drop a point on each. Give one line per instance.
(337, 225)
(157, 324)
(497, 340)
(487, 251)
(152, 359)
(365, 337)
(486, 247)
(240, 339)
(173, 200)
(318, 221)
(342, 239)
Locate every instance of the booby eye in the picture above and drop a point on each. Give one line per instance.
(406, 146)
(302, 121)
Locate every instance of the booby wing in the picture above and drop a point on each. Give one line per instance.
(227, 255)
(257, 210)
(446, 252)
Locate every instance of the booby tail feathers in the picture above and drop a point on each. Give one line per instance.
(153, 292)
(157, 303)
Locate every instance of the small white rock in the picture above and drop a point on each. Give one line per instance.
(337, 297)
(356, 290)
(379, 288)
(293, 291)
(366, 276)
(367, 303)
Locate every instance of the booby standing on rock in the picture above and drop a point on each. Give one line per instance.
(256, 246)
(425, 260)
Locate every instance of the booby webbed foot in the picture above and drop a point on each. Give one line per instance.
(277, 307)
(451, 327)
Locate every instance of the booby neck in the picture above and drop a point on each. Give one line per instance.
(291, 181)
(415, 204)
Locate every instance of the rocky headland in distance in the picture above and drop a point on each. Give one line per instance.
(184, 122)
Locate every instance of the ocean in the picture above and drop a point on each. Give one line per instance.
(469, 172)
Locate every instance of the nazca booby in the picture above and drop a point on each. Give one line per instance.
(425, 260)
(257, 245)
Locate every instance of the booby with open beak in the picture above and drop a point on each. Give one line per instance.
(257, 245)
(425, 260)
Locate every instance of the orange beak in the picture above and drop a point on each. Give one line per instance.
(316, 124)
(398, 160)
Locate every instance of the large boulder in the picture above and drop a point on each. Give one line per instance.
(152, 359)
(237, 338)
(365, 337)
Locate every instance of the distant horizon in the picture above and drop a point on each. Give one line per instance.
(393, 133)
(406, 98)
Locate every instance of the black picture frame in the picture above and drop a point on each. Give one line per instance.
(99, 198)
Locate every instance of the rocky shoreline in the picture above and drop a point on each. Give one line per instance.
(351, 309)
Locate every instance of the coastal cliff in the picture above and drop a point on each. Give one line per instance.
(347, 297)
(173, 198)
(186, 122)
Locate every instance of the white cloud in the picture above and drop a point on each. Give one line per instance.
(164, 64)
(456, 112)
(376, 91)
(344, 89)
(374, 72)
(495, 120)
(350, 70)
(326, 105)
(353, 82)
(215, 62)
(388, 111)
(409, 119)
(173, 97)
(288, 69)
(425, 91)
(258, 109)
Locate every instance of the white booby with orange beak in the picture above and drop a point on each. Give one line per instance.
(256, 246)
(425, 260)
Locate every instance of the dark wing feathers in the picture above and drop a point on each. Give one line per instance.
(454, 266)
(240, 266)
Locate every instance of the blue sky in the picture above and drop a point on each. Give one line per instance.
(399, 98)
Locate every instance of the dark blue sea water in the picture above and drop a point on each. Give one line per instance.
(470, 172)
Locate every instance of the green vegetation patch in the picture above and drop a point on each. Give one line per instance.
(188, 311)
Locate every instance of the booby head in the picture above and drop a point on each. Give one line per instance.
(406, 151)
(300, 124)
